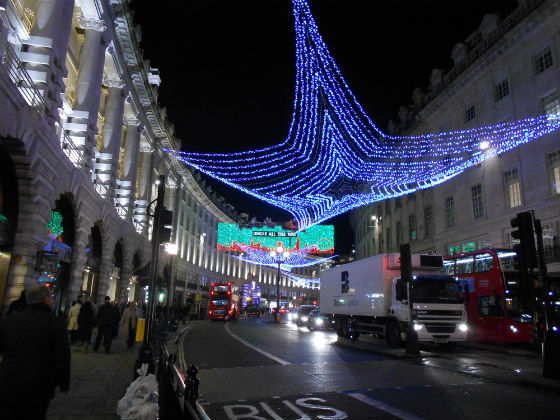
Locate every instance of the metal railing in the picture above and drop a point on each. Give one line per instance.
(178, 393)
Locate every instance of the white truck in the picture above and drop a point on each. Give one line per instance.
(368, 296)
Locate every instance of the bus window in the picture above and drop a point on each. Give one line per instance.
(483, 262)
(464, 265)
(507, 260)
(449, 267)
(490, 305)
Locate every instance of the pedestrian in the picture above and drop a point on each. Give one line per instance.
(36, 358)
(128, 322)
(86, 322)
(107, 324)
(73, 320)
(17, 305)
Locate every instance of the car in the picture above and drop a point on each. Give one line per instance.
(253, 310)
(318, 321)
(300, 315)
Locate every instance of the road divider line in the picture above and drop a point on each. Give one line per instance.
(397, 412)
(261, 351)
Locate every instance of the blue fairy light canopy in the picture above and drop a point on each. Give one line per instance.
(335, 159)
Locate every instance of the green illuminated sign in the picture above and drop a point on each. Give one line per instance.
(320, 236)
(55, 225)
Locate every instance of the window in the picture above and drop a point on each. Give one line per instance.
(553, 167)
(449, 212)
(477, 204)
(551, 104)
(483, 262)
(512, 188)
(398, 227)
(464, 265)
(468, 247)
(490, 305)
(454, 250)
(501, 89)
(542, 60)
(428, 220)
(412, 227)
(470, 113)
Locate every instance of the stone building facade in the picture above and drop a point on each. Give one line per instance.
(81, 147)
(505, 71)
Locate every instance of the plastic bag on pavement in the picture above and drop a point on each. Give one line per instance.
(140, 402)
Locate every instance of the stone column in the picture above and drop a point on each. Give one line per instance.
(106, 267)
(88, 93)
(112, 131)
(130, 159)
(49, 38)
(79, 257)
(143, 190)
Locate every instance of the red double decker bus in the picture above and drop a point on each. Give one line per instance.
(498, 308)
(224, 302)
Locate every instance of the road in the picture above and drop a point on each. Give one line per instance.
(256, 369)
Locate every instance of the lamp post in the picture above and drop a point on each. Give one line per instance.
(171, 250)
(280, 256)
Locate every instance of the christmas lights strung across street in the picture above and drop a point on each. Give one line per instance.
(297, 257)
(335, 159)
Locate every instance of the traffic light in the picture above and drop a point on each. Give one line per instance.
(526, 249)
(166, 225)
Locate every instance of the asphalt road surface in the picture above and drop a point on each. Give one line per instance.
(256, 369)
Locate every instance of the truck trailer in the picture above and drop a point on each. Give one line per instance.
(368, 297)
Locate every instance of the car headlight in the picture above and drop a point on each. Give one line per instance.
(319, 321)
(463, 327)
(513, 328)
(418, 327)
(289, 316)
(304, 318)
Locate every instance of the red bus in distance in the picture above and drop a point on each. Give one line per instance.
(498, 308)
(224, 302)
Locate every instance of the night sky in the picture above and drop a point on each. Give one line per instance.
(228, 67)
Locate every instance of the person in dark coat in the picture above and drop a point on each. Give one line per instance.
(36, 358)
(86, 322)
(18, 305)
(107, 323)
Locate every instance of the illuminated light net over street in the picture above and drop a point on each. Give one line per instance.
(335, 159)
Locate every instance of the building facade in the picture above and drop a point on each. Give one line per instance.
(505, 71)
(81, 149)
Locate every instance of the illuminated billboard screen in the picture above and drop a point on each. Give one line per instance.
(320, 236)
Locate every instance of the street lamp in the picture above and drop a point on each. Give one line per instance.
(171, 250)
(279, 256)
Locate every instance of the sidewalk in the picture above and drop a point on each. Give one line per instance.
(97, 382)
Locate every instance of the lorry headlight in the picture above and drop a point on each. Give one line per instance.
(304, 319)
(463, 327)
(418, 327)
(319, 321)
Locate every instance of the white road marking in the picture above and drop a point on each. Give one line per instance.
(261, 351)
(384, 407)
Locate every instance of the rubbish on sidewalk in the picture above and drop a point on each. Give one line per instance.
(140, 402)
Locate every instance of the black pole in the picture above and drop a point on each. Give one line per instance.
(412, 344)
(145, 355)
(278, 294)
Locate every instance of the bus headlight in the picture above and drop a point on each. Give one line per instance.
(513, 328)
(418, 327)
(463, 327)
(319, 321)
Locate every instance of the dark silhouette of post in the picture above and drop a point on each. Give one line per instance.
(145, 355)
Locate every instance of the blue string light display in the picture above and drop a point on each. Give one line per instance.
(335, 159)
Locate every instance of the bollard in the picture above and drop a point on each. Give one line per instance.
(191, 385)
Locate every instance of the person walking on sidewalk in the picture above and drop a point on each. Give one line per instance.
(86, 322)
(18, 305)
(107, 324)
(128, 323)
(73, 320)
(36, 358)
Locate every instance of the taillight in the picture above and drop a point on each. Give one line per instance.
(210, 312)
